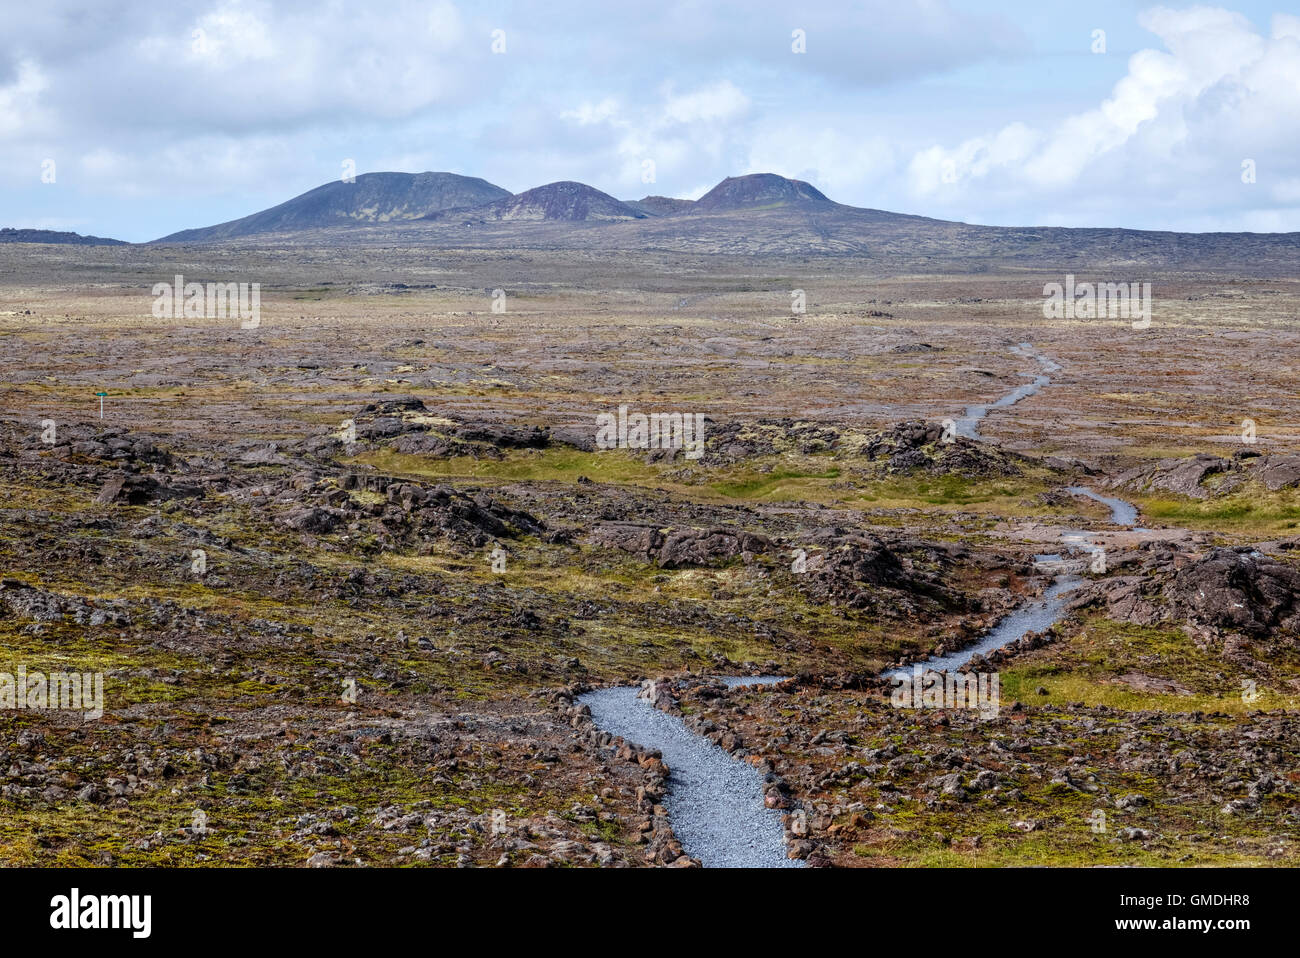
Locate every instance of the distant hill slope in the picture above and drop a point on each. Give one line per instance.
(565, 201)
(373, 198)
(8, 235)
(758, 190)
(660, 205)
(764, 215)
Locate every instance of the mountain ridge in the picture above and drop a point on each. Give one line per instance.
(55, 237)
(758, 190)
(760, 215)
(370, 198)
(564, 200)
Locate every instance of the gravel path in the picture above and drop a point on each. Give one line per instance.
(1031, 617)
(714, 801)
(737, 681)
(1121, 513)
(1039, 614)
(968, 426)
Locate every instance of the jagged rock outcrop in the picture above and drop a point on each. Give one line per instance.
(136, 490)
(1277, 472)
(1225, 590)
(1183, 476)
(1187, 476)
(863, 572)
(918, 446)
(685, 547)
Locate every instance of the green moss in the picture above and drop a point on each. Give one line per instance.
(1086, 667)
(1251, 511)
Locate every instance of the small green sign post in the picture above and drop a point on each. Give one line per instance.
(101, 404)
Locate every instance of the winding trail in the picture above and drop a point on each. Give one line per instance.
(714, 801)
(1036, 614)
(1121, 513)
(968, 425)
(1033, 616)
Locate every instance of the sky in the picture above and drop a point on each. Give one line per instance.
(134, 120)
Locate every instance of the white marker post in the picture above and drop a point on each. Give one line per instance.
(101, 404)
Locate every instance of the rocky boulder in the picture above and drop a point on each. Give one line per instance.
(863, 572)
(1245, 591)
(1277, 472)
(691, 547)
(918, 446)
(1183, 476)
(502, 436)
(685, 547)
(1226, 590)
(136, 490)
(640, 540)
(313, 519)
(1187, 476)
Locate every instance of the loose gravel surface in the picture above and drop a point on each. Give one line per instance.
(739, 681)
(1121, 513)
(715, 802)
(968, 426)
(1031, 617)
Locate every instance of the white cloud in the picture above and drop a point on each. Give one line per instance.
(1287, 192)
(1220, 91)
(20, 101)
(446, 26)
(229, 34)
(679, 131)
(588, 114)
(890, 107)
(835, 161)
(719, 102)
